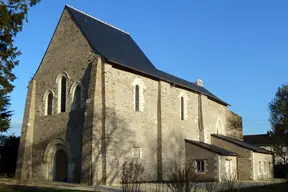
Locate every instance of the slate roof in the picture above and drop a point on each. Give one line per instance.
(261, 139)
(242, 144)
(118, 47)
(212, 148)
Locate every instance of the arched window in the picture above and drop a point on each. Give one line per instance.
(49, 104)
(137, 98)
(183, 102)
(77, 97)
(138, 94)
(219, 127)
(61, 81)
(182, 108)
(63, 94)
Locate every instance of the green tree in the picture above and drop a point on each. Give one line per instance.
(8, 154)
(13, 13)
(279, 123)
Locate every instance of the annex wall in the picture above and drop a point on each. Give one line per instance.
(245, 161)
(194, 152)
(263, 166)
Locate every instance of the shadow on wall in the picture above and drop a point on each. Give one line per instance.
(117, 140)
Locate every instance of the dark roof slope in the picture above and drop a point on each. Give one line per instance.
(261, 139)
(212, 148)
(242, 144)
(117, 46)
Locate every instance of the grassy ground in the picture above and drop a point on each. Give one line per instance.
(267, 188)
(17, 188)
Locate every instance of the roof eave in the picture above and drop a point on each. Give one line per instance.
(139, 71)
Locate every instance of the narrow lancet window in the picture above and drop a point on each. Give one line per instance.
(63, 94)
(182, 108)
(49, 104)
(137, 98)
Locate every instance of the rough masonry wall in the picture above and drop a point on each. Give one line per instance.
(127, 128)
(267, 166)
(214, 118)
(24, 161)
(175, 130)
(68, 52)
(193, 152)
(245, 162)
(234, 125)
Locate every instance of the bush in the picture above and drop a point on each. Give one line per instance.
(132, 176)
(183, 178)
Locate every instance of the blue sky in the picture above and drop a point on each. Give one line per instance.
(238, 48)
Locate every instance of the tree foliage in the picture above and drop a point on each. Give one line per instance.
(13, 13)
(8, 154)
(279, 123)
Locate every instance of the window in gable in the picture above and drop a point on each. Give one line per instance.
(49, 104)
(63, 94)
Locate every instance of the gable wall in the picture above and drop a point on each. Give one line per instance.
(69, 52)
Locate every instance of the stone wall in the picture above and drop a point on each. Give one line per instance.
(68, 52)
(214, 118)
(234, 125)
(174, 130)
(245, 162)
(266, 163)
(127, 128)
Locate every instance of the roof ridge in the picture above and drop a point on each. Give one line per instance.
(97, 19)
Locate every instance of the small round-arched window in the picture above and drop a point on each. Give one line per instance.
(49, 104)
(137, 98)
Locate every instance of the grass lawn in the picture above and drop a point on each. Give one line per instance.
(267, 188)
(17, 188)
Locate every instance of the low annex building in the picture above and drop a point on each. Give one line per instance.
(97, 101)
(212, 163)
(254, 163)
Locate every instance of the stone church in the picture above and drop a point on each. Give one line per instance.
(97, 101)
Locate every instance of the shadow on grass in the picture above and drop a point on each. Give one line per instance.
(18, 188)
(265, 188)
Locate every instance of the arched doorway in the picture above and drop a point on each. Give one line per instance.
(57, 161)
(61, 166)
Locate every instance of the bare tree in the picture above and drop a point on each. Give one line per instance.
(132, 176)
(182, 178)
(211, 186)
(230, 182)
